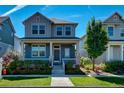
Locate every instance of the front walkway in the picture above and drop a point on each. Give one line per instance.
(61, 82)
(58, 79)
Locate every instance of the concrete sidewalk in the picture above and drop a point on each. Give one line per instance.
(61, 82)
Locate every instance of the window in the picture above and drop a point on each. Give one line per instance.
(59, 30)
(122, 33)
(35, 50)
(68, 30)
(67, 52)
(38, 50)
(34, 29)
(41, 29)
(110, 31)
(42, 50)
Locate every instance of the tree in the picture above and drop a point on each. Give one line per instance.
(96, 39)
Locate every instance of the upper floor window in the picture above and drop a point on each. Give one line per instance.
(34, 29)
(68, 30)
(122, 33)
(41, 29)
(110, 30)
(59, 30)
(38, 29)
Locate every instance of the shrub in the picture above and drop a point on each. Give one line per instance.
(29, 67)
(72, 69)
(114, 66)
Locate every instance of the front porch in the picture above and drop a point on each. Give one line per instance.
(57, 51)
(115, 51)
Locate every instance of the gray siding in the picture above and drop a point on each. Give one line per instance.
(28, 53)
(63, 32)
(72, 50)
(7, 34)
(37, 19)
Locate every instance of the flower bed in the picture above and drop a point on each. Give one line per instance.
(72, 69)
(28, 68)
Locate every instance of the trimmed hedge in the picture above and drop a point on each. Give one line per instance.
(116, 67)
(72, 69)
(29, 67)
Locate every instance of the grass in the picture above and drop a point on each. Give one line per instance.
(98, 81)
(25, 82)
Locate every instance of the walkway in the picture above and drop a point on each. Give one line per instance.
(58, 79)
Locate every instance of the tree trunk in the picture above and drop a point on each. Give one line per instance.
(93, 64)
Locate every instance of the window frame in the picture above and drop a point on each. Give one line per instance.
(38, 50)
(70, 30)
(57, 30)
(108, 30)
(121, 32)
(38, 24)
(65, 55)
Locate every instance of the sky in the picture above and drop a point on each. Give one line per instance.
(76, 13)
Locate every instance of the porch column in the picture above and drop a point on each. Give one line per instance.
(22, 50)
(51, 53)
(108, 51)
(77, 53)
(122, 52)
(1, 60)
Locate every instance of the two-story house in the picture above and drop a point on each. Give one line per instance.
(115, 28)
(49, 39)
(6, 35)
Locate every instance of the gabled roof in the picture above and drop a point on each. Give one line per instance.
(116, 13)
(61, 21)
(4, 18)
(37, 13)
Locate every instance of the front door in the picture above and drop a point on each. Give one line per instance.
(56, 55)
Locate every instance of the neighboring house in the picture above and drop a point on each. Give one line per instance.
(115, 28)
(6, 35)
(49, 39)
(17, 45)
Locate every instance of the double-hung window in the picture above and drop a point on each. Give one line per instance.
(68, 30)
(59, 30)
(34, 29)
(110, 30)
(38, 50)
(38, 29)
(122, 32)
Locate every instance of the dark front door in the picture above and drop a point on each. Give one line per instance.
(57, 55)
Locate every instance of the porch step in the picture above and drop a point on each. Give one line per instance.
(57, 70)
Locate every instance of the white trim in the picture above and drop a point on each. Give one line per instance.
(56, 30)
(38, 24)
(113, 30)
(65, 30)
(38, 51)
(59, 51)
(33, 58)
(122, 46)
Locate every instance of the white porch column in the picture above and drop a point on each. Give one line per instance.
(1, 60)
(51, 52)
(122, 52)
(108, 51)
(77, 53)
(22, 50)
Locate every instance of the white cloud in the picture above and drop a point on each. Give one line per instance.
(45, 7)
(18, 7)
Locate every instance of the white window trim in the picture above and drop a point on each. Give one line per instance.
(38, 24)
(65, 30)
(113, 29)
(56, 30)
(68, 52)
(38, 51)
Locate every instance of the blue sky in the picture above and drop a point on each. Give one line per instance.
(80, 14)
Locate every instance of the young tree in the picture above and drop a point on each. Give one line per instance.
(96, 39)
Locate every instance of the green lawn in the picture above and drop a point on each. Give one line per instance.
(25, 82)
(98, 81)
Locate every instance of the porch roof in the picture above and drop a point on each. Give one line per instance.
(50, 39)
